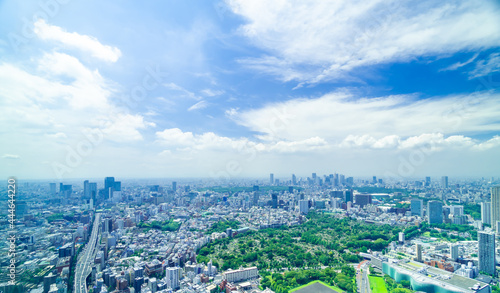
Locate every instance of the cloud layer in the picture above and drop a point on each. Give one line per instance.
(315, 41)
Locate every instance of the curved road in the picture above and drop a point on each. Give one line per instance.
(84, 263)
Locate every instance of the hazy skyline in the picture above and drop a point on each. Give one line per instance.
(247, 88)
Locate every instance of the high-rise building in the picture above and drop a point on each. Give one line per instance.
(435, 212)
(417, 207)
(172, 276)
(374, 181)
(53, 188)
(486, 212)
(109, 182)
(363, 199)
(335, 179)
(401, 237)
(274, 200)
(454, 252)
(418, 249)
(486, 242)
(271, 178)
(444, 181)
(174, 186)
(348, 196)
(304, 206)
(294, 179)
(93, 191)
(86, 191)
(427, 181)
(495, 204)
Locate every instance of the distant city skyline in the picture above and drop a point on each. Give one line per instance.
(220, 90)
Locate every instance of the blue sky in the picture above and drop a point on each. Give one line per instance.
(229, 89)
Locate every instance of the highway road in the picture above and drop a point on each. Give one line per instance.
(86, 258)
(362, 278)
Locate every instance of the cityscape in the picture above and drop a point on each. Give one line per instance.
(250, 146)
(259, 235)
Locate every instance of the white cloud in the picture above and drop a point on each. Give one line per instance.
(458, 65)
(485, 67)
(314, 41)
(11, 157)
(212, 93)
(489, 144)
(198, 106)
(186, 93)
(74, 40)
(58, 135)
(337, 115)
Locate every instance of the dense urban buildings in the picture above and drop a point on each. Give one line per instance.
(196, 236)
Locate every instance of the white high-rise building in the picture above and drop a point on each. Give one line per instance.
(486, 213)
(401, 237)
(495, 204)
(486, 242)
(304, 206)
(172, 275)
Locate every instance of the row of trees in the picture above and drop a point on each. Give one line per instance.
(167, 225)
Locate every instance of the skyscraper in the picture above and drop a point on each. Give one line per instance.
(271, 178)
(294, 179)
(486, 242)
(495, 204)
(454, 252)
(417, 207)
(486, 213)
(109, 182)
(304, 206)
(444, 181)
(53, 187)
(418, 249)
(274, 200)
(427, 181)
(435, 212)
(174, 186)
(86, 192)
(172, 276)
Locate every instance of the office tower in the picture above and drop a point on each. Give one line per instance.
(172, 276)
(109, 182)
(435, 212)
(274, 201)
(271, 178)
(348, 196)
(277, 181)
(374, 181)
(495, 204)
(174, 186)
(486, 213)
(256, 198)
(53, 188)
(427, 181)
(117, 186)
(419, 252)
(304, 206)
(294, 179)
(349, 181)
(486, 242)
(86, 191)
(497, 227)
(363, 199)
(335, 179)
(342, 179)
(444, 181)
(314, 177)
(93, 191)
(401, 237)
(454, 252)
(457, 210)
(290, 189)
(417, 207)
